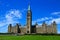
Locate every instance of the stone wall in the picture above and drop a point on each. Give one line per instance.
(39, 30)
(23, 30)
(49, 29)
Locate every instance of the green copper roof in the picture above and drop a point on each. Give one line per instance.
(28, 7)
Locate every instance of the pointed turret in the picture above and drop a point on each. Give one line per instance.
(29, 9)
(54, 27)
(9, 28)
(44, 27)
(16, 28)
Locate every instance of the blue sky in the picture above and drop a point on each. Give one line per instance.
(15, 11)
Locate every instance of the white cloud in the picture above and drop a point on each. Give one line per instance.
(11, 17)
(48, 20)
(57, 20)
(14, 13)
(55, 13)
(41, 19)
(2, 24)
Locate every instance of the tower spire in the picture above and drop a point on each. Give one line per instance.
(29, 7)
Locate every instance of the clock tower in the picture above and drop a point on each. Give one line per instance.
(29, 20)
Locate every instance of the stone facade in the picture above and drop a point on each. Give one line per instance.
(44, 28)
(29, 28)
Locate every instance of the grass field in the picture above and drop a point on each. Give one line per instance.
(30, 37)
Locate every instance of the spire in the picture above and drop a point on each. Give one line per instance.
(29, 7)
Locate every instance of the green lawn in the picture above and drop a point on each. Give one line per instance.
(30, 37)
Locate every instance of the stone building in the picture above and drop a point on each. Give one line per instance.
(29, 28)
